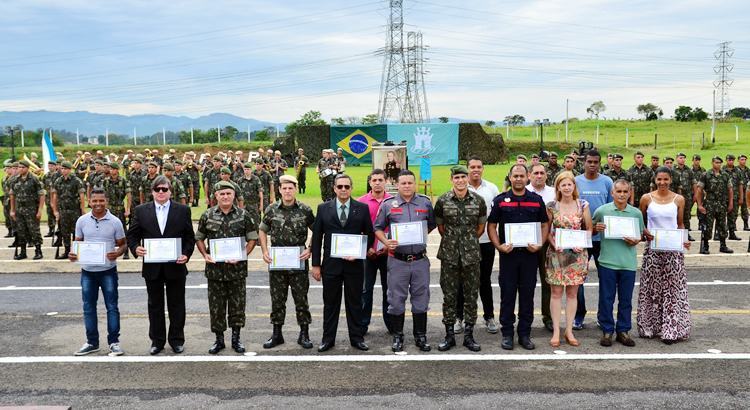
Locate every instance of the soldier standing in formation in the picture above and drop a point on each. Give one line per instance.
(301, 162)
(48, 180)
(615, 170)
(640, 177)
(68, 204)
(569, 164)
(251, 191)
(287, 223)
(553, 168)
(327, 172)
(10, 172)
(460, 216)
(179, 193)
(408, 265)
(716, 185)
(26, 202)
(698, 172)
(226, 280)
(148, 180)
(186, 180)
(193, 169)
(278, 168)
(687, 183)
(266, 182)
(655, 163)
(745, 172)
(118, 193)
(210, 177)
(738, 196)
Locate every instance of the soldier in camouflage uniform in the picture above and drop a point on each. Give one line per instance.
(687, 189)
(185, 179)
(606, 167)
(193, 170)
(47, 180)
(179, 192)
(553, 168)
(226, 280)
(10, 172)
(745, 171)
(144, 191)
(640, 177)
(118, 192)
(300, 163)
(717, 187)
(460, 216)
(614, 170)
(698, 172)
(210, 178)
(326, 164)
(94, 177)
(68, 204)
(738, 191)
(26, 202)
(287, 222)
(266, 182)
(135, 178)
(251, 191)
(278, 168)
(569, 164)
(655, 163)
(676, 182)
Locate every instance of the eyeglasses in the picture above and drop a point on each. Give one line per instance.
(343, 186)
(161, 189)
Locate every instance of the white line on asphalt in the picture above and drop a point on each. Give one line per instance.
(376, 358)
(204, 286)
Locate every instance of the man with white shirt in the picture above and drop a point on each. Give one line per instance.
(539, 186)
(488, 191)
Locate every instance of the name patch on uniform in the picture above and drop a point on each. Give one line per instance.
(397, 211)
(421, 211)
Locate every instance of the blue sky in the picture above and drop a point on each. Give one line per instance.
(276, 60)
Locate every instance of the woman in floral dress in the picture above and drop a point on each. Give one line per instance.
(566, 268)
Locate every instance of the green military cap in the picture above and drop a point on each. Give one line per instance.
(59, 162)
(225, 170)
(654, 157)
(217, 158)
(535, 156)
(106, 164)
(610, 155)
(717, 158)
(114, 165)
(287, 178)
(153, 164)
(639, 153)
(248, 164)
(258, 160)
(681, 154)
(668, 158)
(521, 156)
(743, 156)
(730, 156)
(459, 169)
(14, 164)
(617, 156)
(168, 167)
(7, 163)
(24, 163)
(553, 154)
(98, 162)
(178, 162)
(568, 156)
(138, 160)
(50, 162)
(223, 185)
(67, 164)
(697, 156)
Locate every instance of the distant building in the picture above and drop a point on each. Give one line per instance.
(93, 140)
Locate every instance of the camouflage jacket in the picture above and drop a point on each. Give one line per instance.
(737, 177)
(265, 182)
(26, 192)
(68, 193)
(698, 172)
(716, 187)
(615, 175)
(552, 173)
(460, 218)
(288, 225)
(192, 170)
(179, 192)
(136, 180)
(212, 176)
(280, 163)
(250, 190)
(186, 180)
(641, 179)
(116, 191)
(48, 180)
(215, 224)
(686, 181)
(145, 188)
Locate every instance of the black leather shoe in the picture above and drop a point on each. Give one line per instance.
(361, 346)
(507, 343)
(398, 343)
(548, 326)
(325, 346)
(733, 237)
(526, 343)
(155, 350)
(178, 349)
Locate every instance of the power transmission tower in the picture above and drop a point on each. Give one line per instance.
(393, 83)
(722, 70)
(415, 88)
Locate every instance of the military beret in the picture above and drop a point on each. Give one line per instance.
(553, 154)
(617, 156)
(248, 164)
(717, 158)
(743, 156)
(24, 163)
(225, 170)
(50, 162)
(67, 164)
(696, 156)
(681, 154)
(638, 153)
(258, 160)
(730, 156)
(654, 157)
(610, 155)
(459, 169)
(668, 158)
(223, 185)
(178, 162)
(287, 178)
(521, 156)
(114, 165)
(168, 167)
(217, 158)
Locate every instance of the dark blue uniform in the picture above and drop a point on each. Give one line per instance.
(518, 269)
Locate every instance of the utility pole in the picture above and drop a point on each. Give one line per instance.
(218, 132)
(106, 137)
(135, 136)
(567, 102)
(416, 100)
(78, 141)
(713, 120)
(722, 70)
(23, 141)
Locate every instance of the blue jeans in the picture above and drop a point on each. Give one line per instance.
(611, 282)
(581, 306)
(90, 284)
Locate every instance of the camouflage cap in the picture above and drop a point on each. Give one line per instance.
(521, 156)
(24, 163)
(617, 156)
(217, 158)
(743, 156)
(50, 162)
(697, 156)
(114, 165)
(287, 179)
(730, 156)
(717, 158)
(152, 164)
(223, 185)
(138, 160)
(178, 162)
(98, 162)
(225, 170)
(459, 169)
(7, 163)
(67, 164)
(638, 153)
(681, 154)
(167, 167)
(534, 156)
(552, 154)
(258, 160)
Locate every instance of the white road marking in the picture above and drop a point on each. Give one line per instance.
(363, 358)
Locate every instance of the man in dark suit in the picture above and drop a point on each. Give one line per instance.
(347, 216)
(163, 218)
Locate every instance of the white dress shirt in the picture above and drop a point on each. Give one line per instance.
(488, 191)
(162, 211)
(547, 193)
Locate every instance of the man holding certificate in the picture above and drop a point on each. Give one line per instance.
(287, 222)
(518, 217)
(343, 230)
(161, 232)
(231, 233)
(100, 240)
(409, 217)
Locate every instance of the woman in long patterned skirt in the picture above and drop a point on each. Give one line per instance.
(663, 308)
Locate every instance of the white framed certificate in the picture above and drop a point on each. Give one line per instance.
(572, 238)
(669, 240)
(521, 235)
(618, 227)
(160, 250)
(90, 253)
(348, 246)
(285, 258)
(409, 233)
(227, 249)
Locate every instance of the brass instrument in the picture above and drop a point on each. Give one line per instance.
(298, 167)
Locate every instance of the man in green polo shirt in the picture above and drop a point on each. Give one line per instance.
(617, 266)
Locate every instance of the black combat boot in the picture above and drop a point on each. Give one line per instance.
(723, 248)
(748, 246)
(65, 253)
(58, 240)
(236, 343)
(218, 344)
(420, 331)
(733, 236)
(690, 238)
(744, 224)
(704, 247)
(22, 253)
(50, 233)
(15, 242)
(469, 341)
(398, 332)
(10, 234)
(276, 338)
(38, 252)
(304, 337)
(450, 339)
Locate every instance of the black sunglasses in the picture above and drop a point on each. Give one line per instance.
(343, 186)
(161, 189)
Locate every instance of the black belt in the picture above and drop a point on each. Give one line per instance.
(409, 257)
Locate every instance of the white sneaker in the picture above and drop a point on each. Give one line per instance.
(115, 350)
(86, 349)
(491, 325)
(458, 328)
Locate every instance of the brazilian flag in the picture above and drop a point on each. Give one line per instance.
(357, 141)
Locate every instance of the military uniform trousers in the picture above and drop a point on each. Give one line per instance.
(372, 267)
(518, 271)
(226, 303)
(302, 180)
(67, 224)
(196, 192)
(408, 279)
(732, 216)
(715, 215)
(50, 214)
(455, 277)
(27, 227)
(280, 283)
(485, 283)
(6, 213)
(686, 214)
(546, 291)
